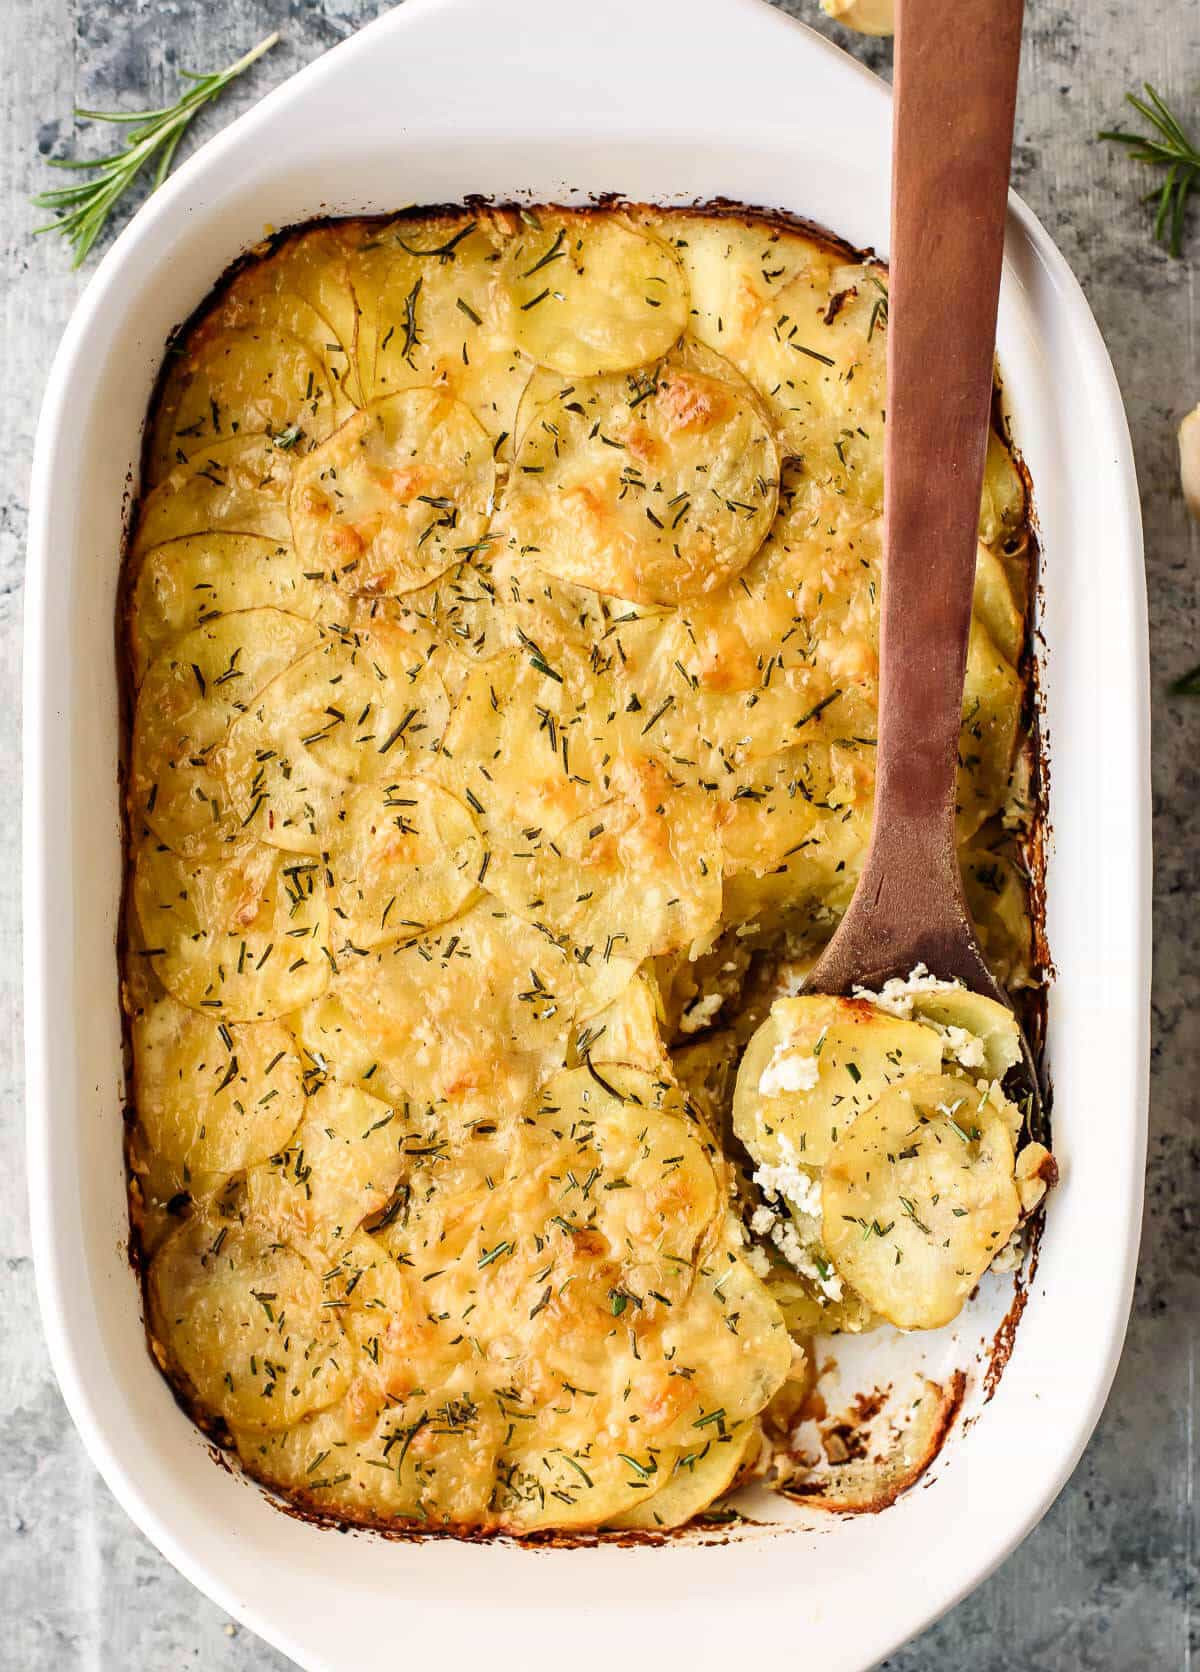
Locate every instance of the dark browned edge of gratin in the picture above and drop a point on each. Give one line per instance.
(1030, 1004)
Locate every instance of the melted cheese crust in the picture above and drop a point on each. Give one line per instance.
(502, 618)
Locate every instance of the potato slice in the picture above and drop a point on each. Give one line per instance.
(236, 383)
(995, 606)
(425, 288)
(239, 486)
(919, 1197)
(185, 583)
(654, 1186)
(588, 294)
(997, 897)
(732, 1338)
(655, 487)
(242, 1316)
(404, 857)
(621, 880)
(188, 700)
(362, 707)
(824, 1061)
(214, 1096)
(304, 287)
(700, 1475)
(627, 1030)
(987, 1024)
(245, 939)
(396, 496)
(818, 354)
(163, 1193)
(255, 307)
(340, 1166)
(524, 748)
(988, 741)
(1003, 508)
(736, 269)
(475, 1015)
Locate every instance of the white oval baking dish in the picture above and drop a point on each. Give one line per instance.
(667, 100)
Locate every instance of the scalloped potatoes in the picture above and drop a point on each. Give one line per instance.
(502, 620)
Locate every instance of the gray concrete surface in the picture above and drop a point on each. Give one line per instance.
(1107, 1581)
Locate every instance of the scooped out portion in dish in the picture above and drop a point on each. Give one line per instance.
(502, 618)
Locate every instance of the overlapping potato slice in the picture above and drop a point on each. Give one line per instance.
(654, 486)
(239, 486)
(733, 1338)
(979, 1033)
(213, 1096)
(736, 269)
(476, 1015)
(361, 707)
(996, 895)
(808, 1307)
(642, 1175)
(1003, 508)
(818, 353)
(991, 720)
(428, 317)
(699, 1476)
(185, 583)
(242, 1316)
(589, 293)
(620, 880)
(525, 747)
(794, 831)
(404, 856)
(245, 938)
(163, 1193)
(257, 306)
(340, 1166)
(188, 700)
(995, 606)
(237, 383)
(811, 1070)
(627, 1030)
(304, 288)
(919, 1196)
(396, 496)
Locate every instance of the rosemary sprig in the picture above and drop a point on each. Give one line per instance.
(1168, 147)
(82, 210)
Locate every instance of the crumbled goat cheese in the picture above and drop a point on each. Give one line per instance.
(788, 1070)
(700, 1012)
(896, 995)
(963, 1047)
(782, 1234)
(761, 1221)
(758, 1260)
(801, 1191)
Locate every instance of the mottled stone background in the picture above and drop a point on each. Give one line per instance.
(1107, 1581)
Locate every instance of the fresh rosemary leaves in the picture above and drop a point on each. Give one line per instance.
(82, 210)
(1167, 147)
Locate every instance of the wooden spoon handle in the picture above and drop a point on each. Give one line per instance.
(955, 92)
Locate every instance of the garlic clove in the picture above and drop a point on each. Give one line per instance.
(869, 17)
(1189, 460)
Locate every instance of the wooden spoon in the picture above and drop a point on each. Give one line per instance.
(955, 91)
